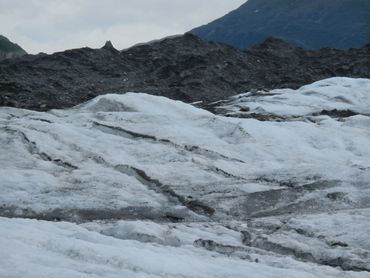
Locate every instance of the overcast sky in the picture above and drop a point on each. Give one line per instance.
(55, 25)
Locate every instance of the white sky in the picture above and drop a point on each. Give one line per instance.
(55, 25)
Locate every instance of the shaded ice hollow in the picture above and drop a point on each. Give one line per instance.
(274, 184)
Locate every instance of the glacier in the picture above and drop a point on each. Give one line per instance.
(268, 184)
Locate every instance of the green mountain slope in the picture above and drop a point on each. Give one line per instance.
(9, 49)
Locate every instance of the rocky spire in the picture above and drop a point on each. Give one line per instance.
(109, 46)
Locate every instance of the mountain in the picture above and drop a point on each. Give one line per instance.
(137, 185)
(183, 68)
(311, 24)
(9, 49)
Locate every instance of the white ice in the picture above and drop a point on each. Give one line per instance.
(122, 167)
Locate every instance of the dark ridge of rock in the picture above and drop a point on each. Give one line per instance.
(337, 113)
(91, 214)
(184, 68)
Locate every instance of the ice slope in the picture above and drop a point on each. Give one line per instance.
(341, 94)
(276, 184)
(45, 249)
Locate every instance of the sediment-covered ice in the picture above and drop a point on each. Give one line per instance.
(276, 185)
